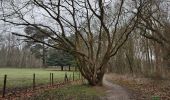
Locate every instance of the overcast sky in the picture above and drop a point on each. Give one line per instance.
(37, 15)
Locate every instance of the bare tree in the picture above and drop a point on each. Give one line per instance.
(97, 35)
(154, 25)
(147, 50)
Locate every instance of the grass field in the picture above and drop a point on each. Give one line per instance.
(19, 78)
(75, 92)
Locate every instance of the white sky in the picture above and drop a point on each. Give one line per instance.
(37, 16)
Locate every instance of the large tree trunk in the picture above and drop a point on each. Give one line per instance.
(93, 72)
(94, 81)
(98, 80)
(62, 68)
(69, 67)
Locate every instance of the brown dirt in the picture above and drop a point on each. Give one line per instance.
(143, 88)
(114, 91)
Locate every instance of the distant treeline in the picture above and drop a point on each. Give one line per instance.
(12, 54)
(16, 52)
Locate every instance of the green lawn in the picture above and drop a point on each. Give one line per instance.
(75, 92)
(17, 78)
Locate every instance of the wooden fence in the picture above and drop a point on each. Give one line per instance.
(66, 79)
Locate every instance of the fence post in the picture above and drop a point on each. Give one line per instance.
(69, 67)
(70, 78)
(33, 81)
(83, 79)
(73, 75)
(52, 78)
(65, 78)
(79, 75)
(4, 87)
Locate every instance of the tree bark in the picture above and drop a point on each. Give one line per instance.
(93, 71)
(62, 68)
(98, 81)
(69, 67)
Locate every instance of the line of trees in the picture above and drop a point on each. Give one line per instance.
(147, 52)
(23, 53)
(13, 55)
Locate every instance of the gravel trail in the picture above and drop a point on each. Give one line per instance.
(115, 92)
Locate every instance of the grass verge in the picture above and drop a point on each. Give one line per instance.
(72, 92)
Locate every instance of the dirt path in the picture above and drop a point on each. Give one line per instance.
(115, 92)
